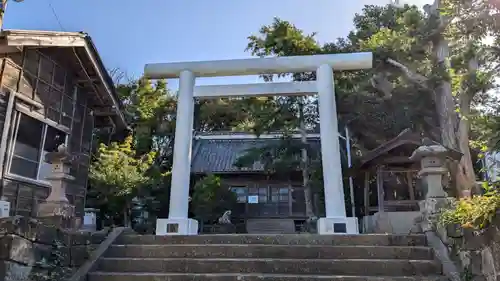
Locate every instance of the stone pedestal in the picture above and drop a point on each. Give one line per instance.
(430, 209)
(56, 209)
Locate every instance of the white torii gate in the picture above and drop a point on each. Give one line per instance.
(336, 221)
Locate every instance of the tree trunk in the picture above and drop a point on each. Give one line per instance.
(2, 12)
(305, 165)
(463, 131)
(465, 164)
(449, 120)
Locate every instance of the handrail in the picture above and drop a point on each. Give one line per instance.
(91, 263)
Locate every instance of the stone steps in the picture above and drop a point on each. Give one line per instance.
(269, 251)
(288, 257)
(270, 226)
(279, 239)
(105, 276)
(368, 267)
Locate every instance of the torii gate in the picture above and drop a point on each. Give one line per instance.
(336, 221)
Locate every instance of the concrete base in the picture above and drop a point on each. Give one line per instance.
(176, 227)
(392, 222)
(338, 225)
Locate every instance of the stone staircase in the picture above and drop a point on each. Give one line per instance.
(268, 258)
(270, 226)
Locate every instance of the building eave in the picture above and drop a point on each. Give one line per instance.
(246, 136)
(39, 38)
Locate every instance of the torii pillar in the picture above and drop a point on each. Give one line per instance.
(336, 221)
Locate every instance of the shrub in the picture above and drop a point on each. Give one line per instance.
(476, 212)
(210, 199)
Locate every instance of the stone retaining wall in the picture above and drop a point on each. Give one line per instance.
(32, 250)
(477, 253)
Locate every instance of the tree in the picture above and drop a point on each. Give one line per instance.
(295, 113)
(412, 84)
(210, 200)
(117, 176)
(150, 110)
(462, 72)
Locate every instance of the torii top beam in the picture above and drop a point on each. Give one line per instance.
(254, 66)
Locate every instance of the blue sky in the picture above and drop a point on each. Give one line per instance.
(129, 34)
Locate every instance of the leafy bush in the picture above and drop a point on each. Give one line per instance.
(476, 212)
(210, 199)
(117, 175)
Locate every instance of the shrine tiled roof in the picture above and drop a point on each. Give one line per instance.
(219, 155)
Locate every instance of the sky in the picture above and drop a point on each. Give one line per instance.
(128, 34)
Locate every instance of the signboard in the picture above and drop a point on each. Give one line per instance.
(253, 199)
(4, 208)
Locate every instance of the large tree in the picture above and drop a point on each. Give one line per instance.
(413, 83)
(462, 73)
(295, 113)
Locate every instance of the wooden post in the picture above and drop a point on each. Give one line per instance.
(411, 190)
(367, 193)
(5, 132)
(380, 190)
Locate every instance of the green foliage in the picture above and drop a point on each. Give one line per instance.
(150, 111)
(117, 165)
(210, 199)
(278, 157)
(54, 266)
(118, 174)
(485, 131)
(476, 212)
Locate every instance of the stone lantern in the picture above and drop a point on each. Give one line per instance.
(56, 207)
(432, 157)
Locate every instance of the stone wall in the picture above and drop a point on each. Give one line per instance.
(32, 250)
(477, 253)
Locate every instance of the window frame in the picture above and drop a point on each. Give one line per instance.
(244, 188)
(45, 125)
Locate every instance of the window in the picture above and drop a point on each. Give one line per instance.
(263, 194)
(33, 140)
(279, 194)
(241, 193)
(49, 83)
(283, 194)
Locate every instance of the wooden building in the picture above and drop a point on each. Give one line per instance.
(54, 89)
(261, 195)
(390, 177)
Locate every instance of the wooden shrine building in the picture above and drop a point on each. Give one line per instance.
(390, 177)
(54, 89)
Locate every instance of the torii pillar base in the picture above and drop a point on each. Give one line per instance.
(338, 225)
(182, 226)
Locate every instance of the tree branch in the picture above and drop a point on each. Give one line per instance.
(410, 75)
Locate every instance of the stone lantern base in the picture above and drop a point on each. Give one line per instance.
(60, 214)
